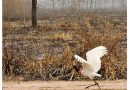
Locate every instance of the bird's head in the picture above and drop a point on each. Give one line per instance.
(78, 68)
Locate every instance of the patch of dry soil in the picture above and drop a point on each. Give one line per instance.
(63, 85)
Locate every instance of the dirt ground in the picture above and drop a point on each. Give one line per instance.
(63, 85)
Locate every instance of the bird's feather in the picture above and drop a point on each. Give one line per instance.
(93, 57)
(84, 63)
(78, 58)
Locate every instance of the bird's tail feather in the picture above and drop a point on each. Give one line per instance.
(98, 75)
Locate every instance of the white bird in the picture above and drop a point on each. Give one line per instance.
(92, 65)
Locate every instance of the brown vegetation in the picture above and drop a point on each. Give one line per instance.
(58, 42)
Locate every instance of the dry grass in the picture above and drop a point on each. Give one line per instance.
(58, 42)
(61, 37)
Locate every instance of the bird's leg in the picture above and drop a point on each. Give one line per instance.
(90, 86)
(94, 85)
(97, 84)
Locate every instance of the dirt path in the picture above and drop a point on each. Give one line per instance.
(63, 85)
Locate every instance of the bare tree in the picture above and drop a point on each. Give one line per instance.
(91, 4)
(113, 7)
(79, 6)
(123, 5)
(53, 4)
(34, 13)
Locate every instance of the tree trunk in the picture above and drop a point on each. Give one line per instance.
(34, 13)
(53, 9)
(91, 5)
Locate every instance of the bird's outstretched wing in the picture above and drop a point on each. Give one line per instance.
(84, 63)
(78, 58)
(93, 57)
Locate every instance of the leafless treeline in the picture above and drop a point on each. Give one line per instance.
(21, 9)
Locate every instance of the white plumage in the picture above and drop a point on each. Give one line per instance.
(93, 63)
